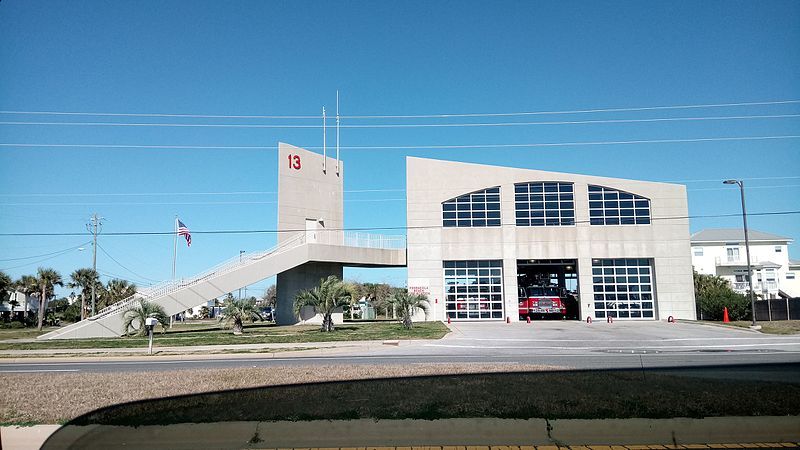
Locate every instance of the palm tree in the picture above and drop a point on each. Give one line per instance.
(237, 312)
(47, 279)
(83, 279)
(407, 305)
(117, 290)
(134, 317)
(5, 287)
(325, 298)
(28, 285)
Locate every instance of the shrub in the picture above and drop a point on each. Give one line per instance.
(713, 301)
(72, 313)
(13, 325)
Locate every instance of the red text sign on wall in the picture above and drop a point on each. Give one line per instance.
(294, 162)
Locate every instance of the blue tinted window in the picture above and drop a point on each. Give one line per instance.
(473, 209)
(539, 200)
(617, 207)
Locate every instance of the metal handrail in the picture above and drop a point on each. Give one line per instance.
(170, 286)
(333, 237)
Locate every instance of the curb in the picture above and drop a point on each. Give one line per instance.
(719, 325)
(444, 432)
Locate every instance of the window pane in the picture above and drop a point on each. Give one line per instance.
(472, 206)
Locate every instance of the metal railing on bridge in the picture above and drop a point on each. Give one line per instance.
(334, 237)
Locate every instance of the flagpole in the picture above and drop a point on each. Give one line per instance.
(175, 247)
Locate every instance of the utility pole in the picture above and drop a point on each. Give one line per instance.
(740, 183)
(92, 226)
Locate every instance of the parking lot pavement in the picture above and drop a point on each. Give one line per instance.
(575, 335)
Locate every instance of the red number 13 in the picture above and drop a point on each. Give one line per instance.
(294, 162)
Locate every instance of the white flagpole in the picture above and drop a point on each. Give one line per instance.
(175, 247)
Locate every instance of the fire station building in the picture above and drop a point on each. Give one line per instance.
(479, 235)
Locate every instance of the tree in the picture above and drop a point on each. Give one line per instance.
(270, 296)
(117, 290)
(378, 294)
(357, 292)
(84, 279)
(133, 319)
(325, 298)
(47, 279)
(237, 312)
(204, 312)
(6, 285)
(29, 286)
(407, 305)
(713, 294)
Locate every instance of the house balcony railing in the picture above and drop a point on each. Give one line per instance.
(743, 286)
(770, 285)
(730, 261)
(758, 286)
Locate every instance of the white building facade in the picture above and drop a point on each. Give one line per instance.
(722, 252)
(478, 233)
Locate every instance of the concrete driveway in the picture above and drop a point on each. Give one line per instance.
(640, 336)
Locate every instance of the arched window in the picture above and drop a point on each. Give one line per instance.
(540, 204)
(476, 209)
(614, 207)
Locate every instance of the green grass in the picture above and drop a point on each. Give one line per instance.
(208, 333)
(774, 327)
(22, 333)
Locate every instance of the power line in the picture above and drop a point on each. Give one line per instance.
(44, 259)
(404, 125)
(748, 187)
(403, 116)
(272, 202)
(422, 227)
(169, 194)
(46, 254)
(113, 275)
(575, 111)
(265, 202)
(422, 147)
(121, 265)
(145, 194)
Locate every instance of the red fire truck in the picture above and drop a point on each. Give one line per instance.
(541, 301)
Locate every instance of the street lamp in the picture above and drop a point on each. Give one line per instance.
(740, 183)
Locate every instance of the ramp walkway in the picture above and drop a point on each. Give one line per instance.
(175, 296)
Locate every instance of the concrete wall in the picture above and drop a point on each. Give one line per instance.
(430, 182)
(307, 191)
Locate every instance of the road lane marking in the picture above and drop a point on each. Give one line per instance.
(683, 347)
(464, 338)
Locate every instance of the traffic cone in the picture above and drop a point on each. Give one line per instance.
(725, 318)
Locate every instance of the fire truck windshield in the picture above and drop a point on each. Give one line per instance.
(538, 291)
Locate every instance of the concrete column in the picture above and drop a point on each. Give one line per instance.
(292, 281)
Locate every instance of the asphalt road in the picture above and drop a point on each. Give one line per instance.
(572, 345)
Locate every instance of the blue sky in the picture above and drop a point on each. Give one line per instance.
(386, 58)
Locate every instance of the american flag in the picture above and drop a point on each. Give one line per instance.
(183, 230)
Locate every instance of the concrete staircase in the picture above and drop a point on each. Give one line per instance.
(176, 296)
